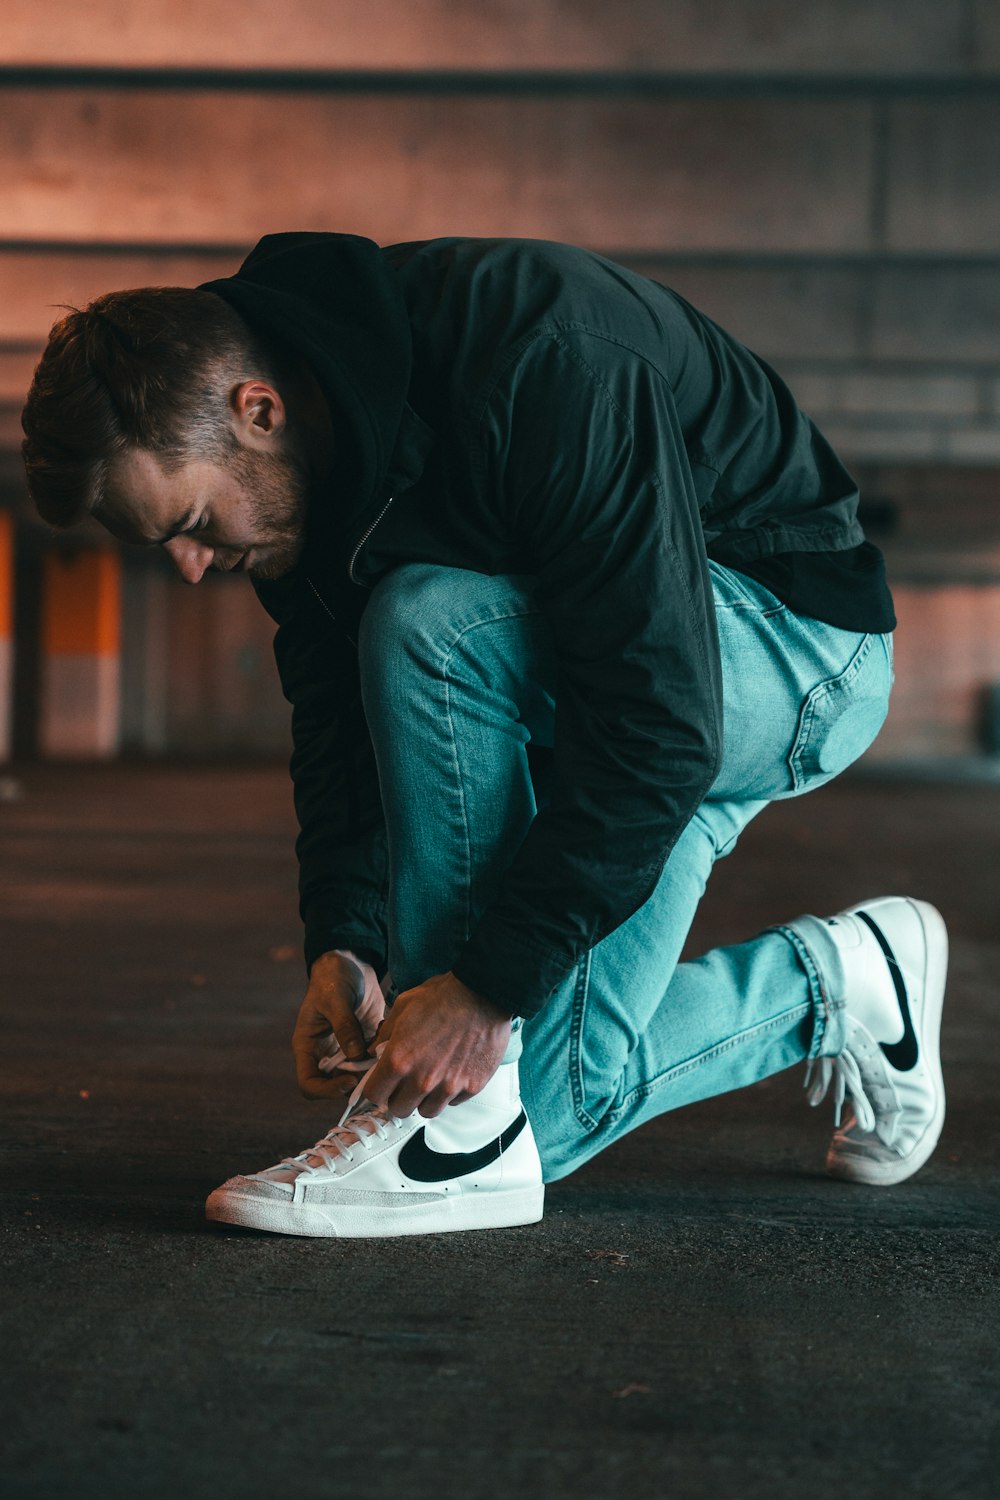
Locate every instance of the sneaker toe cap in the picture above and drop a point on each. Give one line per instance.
(248, 1187)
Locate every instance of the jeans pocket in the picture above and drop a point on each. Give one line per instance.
(842, 715)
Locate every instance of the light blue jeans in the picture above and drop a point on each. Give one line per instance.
(458, 675)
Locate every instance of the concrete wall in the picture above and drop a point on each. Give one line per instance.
(823, 179)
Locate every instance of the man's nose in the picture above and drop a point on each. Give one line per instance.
(189, 557)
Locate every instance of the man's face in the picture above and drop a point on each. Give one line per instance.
(245, 513)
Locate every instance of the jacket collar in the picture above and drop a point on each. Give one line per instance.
(334, 301)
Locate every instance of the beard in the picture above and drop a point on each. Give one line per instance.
(277, 486)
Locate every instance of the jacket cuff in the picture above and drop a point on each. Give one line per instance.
(323, 937)
(515, 977)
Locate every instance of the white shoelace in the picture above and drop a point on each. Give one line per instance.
(360, 1124)
(845, 1074)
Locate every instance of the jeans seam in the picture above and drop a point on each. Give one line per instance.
(464, 810)
(646, 1090)
(822, 690)
(749, 590)
(444, 668)
(513, 614)
(581, 987)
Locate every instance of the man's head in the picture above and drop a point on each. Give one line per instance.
(157, 412)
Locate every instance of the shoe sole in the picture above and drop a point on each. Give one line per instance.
(493, 1210)
(888, 1173)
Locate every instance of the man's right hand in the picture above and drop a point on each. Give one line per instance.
(336, 989)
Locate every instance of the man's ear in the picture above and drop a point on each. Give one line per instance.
(258, 410)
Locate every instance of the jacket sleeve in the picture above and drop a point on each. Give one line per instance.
(582, 444)
(341, 846)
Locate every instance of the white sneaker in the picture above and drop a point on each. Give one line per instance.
(474, 1166)
(894, 954)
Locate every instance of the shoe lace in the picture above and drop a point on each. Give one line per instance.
(361, 1123)
(843, 1072)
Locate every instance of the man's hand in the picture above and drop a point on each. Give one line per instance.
(443, 1043)
(336, 989)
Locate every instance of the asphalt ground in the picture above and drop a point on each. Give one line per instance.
(700, 1313)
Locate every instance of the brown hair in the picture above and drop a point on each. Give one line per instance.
(150, 368)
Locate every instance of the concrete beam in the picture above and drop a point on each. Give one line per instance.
(176, 167)
(636, 36)
(914, 442)
(871, 393)
(986, 36)
(932, 313)
(781, 311)
(943, 176)
(16, 369)
(788, 308)
(926, 313)
(10, 440)
(36, 285)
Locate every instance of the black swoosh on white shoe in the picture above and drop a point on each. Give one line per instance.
(904, 1054)
(423, 1164)
(896, 1088)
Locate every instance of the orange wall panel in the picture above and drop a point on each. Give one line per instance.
(81, 609)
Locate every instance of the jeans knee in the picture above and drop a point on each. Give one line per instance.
(402, 629)
(426, 621)
(400, 604)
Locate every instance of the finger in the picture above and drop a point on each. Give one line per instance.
(384, 1031)
(407, 1097)
(436, 1102)
(326, 1092)
(338, 1015)
(383, 1079)
(324, 1014)
(312, 1081)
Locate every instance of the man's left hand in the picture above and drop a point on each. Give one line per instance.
(443, 1043)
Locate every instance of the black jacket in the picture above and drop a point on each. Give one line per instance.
(529, 408)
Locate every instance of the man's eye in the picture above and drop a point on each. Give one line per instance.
(200, 525)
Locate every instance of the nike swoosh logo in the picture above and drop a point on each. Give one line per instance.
(422, 1164)
(901, 1055)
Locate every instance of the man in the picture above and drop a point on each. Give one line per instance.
(567, 591)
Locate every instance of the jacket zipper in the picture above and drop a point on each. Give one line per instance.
(350, 567)
(364, 538)
(328, 611)
(322, 602)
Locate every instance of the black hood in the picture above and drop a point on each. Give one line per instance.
(333, 300)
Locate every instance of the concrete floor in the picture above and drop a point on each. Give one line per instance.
(701, 1312)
